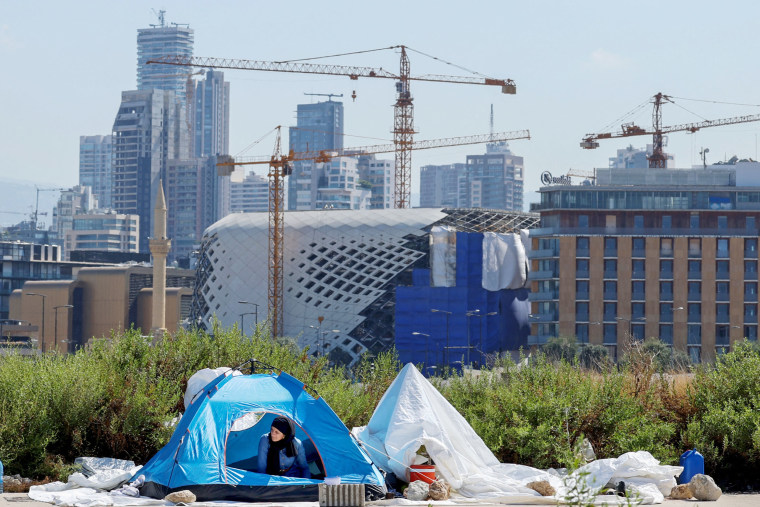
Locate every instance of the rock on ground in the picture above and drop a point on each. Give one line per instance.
(681, 492)
(184, 496)
(417, 490)
(542, 487)
(439, 490)
(704, 488)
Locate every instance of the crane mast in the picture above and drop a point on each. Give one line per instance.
(403, 136)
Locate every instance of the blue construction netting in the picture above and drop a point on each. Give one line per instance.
(456, 334)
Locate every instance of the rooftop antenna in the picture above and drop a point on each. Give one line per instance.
(160, 15)
(491, 131)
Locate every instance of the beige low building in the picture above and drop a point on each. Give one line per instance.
(98, 301)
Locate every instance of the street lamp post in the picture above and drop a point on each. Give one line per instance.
(255, 310)
(42, 336)
(55, 325)
(242, 319)
(476, 313)
(448, 314)
(427, 346)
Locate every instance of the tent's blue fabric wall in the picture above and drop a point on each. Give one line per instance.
(213, 449)
(454, 337)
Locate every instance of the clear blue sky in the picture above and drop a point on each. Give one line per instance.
(578, 67)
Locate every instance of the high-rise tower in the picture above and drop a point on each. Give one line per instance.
(162, 40)
(95, 169)
(318, 127)
(211, 115)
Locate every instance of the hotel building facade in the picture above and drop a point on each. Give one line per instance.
(641, 253)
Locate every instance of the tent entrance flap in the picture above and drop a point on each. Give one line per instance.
(243, 441)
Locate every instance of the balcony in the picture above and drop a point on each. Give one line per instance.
(546, 295)
(544, 275)
(544, 317)
(544, 253)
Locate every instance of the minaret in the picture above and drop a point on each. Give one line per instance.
(159, 248)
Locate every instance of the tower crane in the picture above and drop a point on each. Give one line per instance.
(403, 123)
(658, 157)
(279, 168)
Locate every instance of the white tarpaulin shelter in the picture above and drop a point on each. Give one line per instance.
(412, 413)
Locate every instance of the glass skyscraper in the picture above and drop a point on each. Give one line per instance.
(162, 40)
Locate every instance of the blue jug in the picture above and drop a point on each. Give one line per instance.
(693, 463)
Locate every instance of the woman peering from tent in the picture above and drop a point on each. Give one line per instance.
(281, 453)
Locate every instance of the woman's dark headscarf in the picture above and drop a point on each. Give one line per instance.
(287, 428)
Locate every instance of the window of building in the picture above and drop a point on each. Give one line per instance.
(610, 247)
(722, 222)
(750, 223)
(638, 290)
(637, 331)
(666, 268)
(666, 291)
(666, 247)
(750, 247)
(694, 311)
(638, 221)
(750, 313)
(581, 268)
(581, 333)
(582, 220)
(638, 311)
(639, 247)
(638, 268)
(750, 333)
(722, 338)
(581, 289)
(721, 291)
(694, 222)
(695, 247)
(750, 268)
(695, 269)
(722, 244)
(722, 315)
(610, 289)
(610, 311)
(667, 221)
(581, 311)
(610, 334)
(722, 269)
(666, 333)
(582, 246)
(750, 291)
(666, 312)
(610, 268)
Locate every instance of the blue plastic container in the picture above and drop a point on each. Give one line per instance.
(1, 476)
(693, 463)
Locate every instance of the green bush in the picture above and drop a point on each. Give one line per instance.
(116, 397)
(726, 425)
(536, 415)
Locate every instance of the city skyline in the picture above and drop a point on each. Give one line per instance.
(575, 74)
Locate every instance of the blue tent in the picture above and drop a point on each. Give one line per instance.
(213, 449)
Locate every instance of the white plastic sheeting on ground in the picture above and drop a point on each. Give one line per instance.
(443, 256)
(413, 413)
(505, 264)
